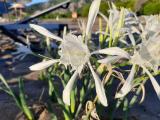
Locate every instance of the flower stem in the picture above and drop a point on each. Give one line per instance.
(134, 99)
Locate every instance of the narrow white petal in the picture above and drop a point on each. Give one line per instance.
(93, 11)
(68, 88)
(44, 32)
(42, 65)
(113, 6)
(99, 87)
(103, 16)
(123, 41)
(126, 88)
(109, 59)
(131, 37)
(113, 51)
(154, 82)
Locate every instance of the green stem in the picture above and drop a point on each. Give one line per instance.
(80, 105)
(125, 109)
(78, 110)
(24, 105)
(134, 99)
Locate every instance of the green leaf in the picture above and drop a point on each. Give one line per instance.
(25, 108)
(73, 101)
(82, 94)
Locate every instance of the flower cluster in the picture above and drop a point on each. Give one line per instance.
(74, 51)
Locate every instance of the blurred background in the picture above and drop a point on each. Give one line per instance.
(18, 9)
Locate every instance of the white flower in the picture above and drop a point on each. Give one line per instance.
(114, 16)
(152, 25)
(148, 56)
(75, 53)
(149, 53)
(120, 23)
(115, 22)
(93, 11)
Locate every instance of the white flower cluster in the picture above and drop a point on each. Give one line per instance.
(74, 52)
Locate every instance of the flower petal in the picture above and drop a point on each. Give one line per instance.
(131, 37)
(42, 65)
(99, 87)
(113, 51)
(68, 88)
(110, 59)
(45, 32)
(154, 82)
(103, 16)
(126, 88)
(93, 11)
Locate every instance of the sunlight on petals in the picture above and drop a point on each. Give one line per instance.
(126, 88)
(93, 11)
(109, 59)
(113, 51)
(99, 87)
(68, 88)
(42, 65)
(44, 32)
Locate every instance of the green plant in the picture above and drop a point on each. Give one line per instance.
(151, 7)
(126, 4)
(84, 10)
(104, 7)
(20, 100)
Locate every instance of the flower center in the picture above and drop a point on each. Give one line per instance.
(148, 55)
(73, 51)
